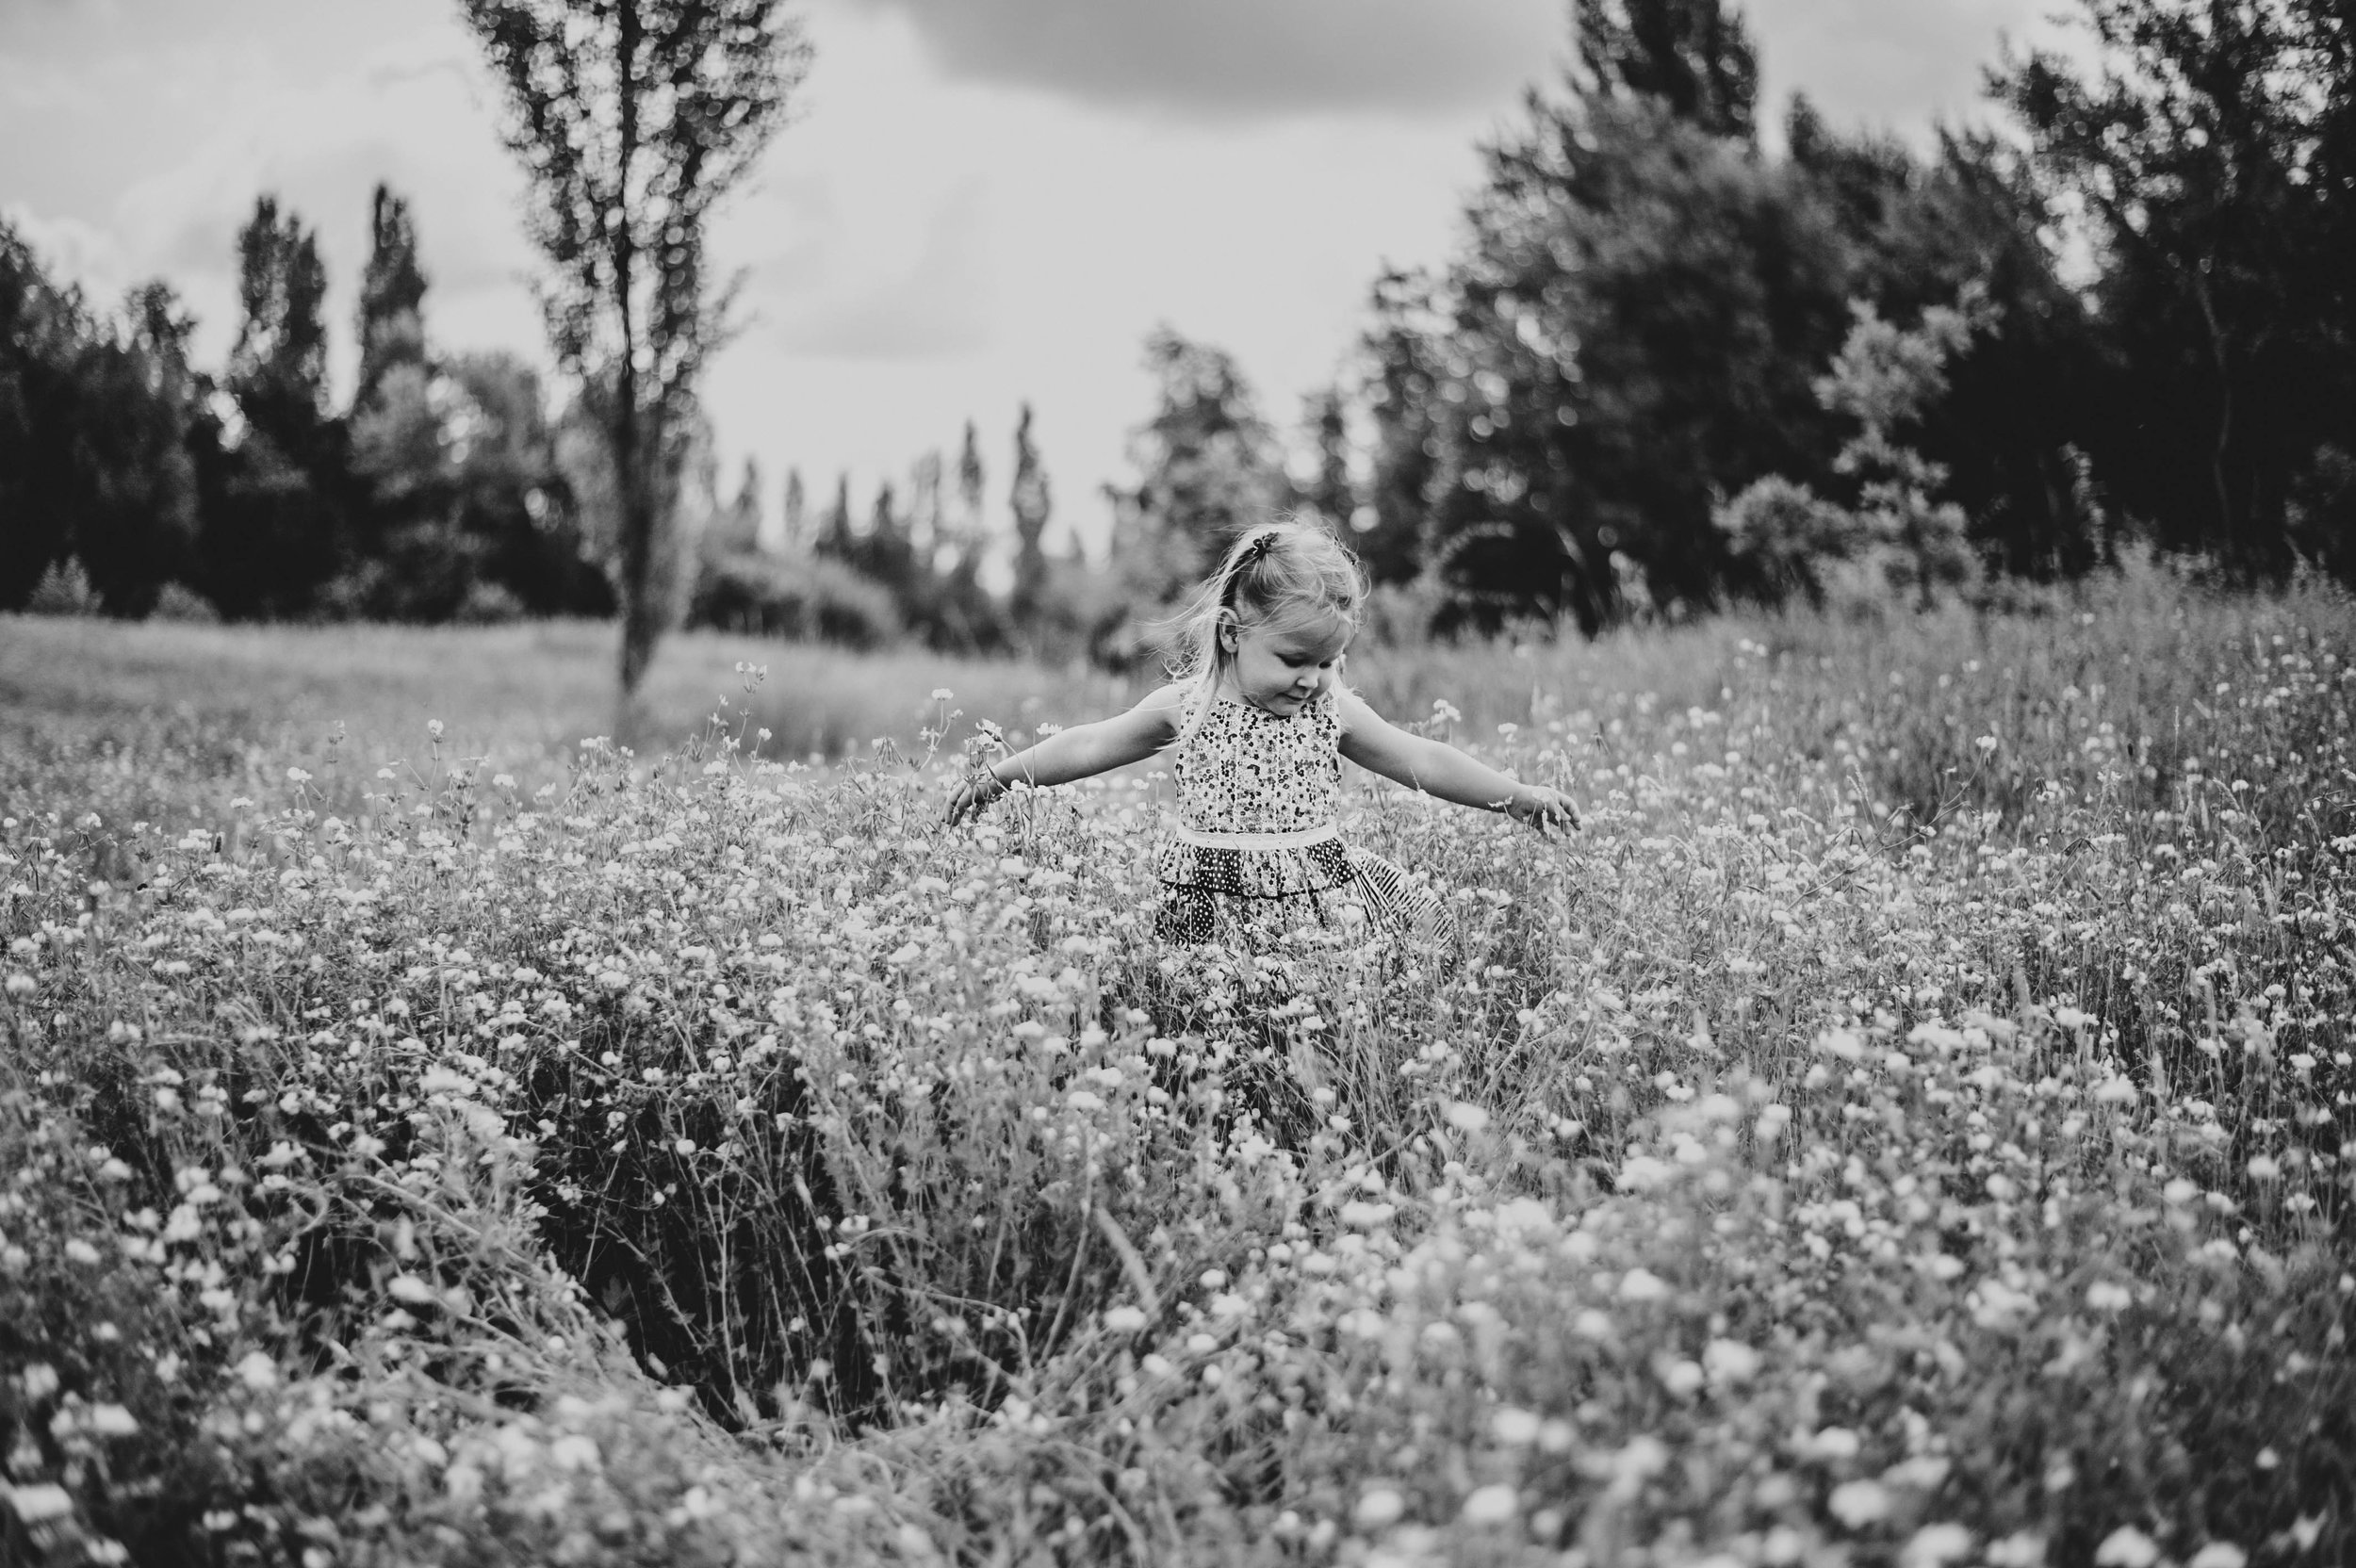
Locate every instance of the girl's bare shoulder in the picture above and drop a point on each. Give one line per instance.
(1162, 707)
(1353, 712)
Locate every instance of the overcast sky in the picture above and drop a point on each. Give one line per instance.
(981, 202)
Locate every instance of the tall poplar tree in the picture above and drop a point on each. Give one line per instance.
(273, 528)
(278, 367)
(633, 120)
(834, 532)
(392, 296)
(1032, 502)
(970, 480)
(791, 521)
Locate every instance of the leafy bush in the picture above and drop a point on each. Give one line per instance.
(177, 601)
(1898, 540)
(808, 598)
(64, 589)
(1785, 536)
(488, 604)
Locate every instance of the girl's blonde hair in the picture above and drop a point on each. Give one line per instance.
(1285, 574)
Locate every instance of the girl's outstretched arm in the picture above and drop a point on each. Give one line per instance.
(1439, 769)
(1079, 752)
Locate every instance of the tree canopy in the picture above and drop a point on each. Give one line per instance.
(633, 120)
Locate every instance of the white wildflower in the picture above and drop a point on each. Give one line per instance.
(1936, 1546)
(1858, 1504)
(2126, 1547)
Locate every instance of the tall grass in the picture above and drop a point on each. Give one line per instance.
(1911, 1125)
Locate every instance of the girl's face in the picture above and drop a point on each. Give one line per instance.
(1282, 669)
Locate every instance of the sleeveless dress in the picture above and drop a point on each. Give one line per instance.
(1257, 853)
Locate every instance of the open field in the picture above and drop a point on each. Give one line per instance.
(167, 718)
(1910, 1125)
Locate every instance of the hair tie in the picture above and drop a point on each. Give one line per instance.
(1251, 556)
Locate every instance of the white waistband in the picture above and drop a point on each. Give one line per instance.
(1303, 839)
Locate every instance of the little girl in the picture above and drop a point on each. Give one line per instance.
(1257, 723)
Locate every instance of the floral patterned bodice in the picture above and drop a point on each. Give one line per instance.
(1245, 770)
(1248, 771)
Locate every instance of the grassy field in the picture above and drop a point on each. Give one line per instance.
(1910, 1125)
(167, 719)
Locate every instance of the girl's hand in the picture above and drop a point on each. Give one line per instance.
(1538, 806)
(977, 789)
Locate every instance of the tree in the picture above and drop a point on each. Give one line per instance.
(739, 526)
(2017, 404)
(95, 424)
(46, 340)
(278, 367)
(633, 120)
(509, 494)
(1208, 467)
(1694, 57)
(1207, 460)
(971, 478)
(1032, 501)
(834, 536)
(791, 521)
(392, 296)
(405, 558)
(928, 527)
(888, 553)
(417, 562)
(135, 410)
(1405, 354)
(946, 600)
(1626, 341)
(36, 326)
(277, 500)
(1900, 535)
(2210, 154)
(1329, 492)
(1886, 379)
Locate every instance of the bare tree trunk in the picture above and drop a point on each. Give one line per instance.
(641, 610)
(2218, 451)
(641, 616)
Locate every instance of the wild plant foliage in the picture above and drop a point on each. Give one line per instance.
(1912, 1123)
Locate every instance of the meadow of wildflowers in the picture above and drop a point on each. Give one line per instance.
(1910, 1125)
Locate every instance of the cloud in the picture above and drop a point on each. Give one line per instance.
(939, 304)
(1870, 62)
(1247, 59)
(412, 113)
(73, 251)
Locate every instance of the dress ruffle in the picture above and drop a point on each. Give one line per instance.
(1256, 873)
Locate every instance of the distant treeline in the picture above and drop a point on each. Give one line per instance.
(146, 482)
(1666, 370)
